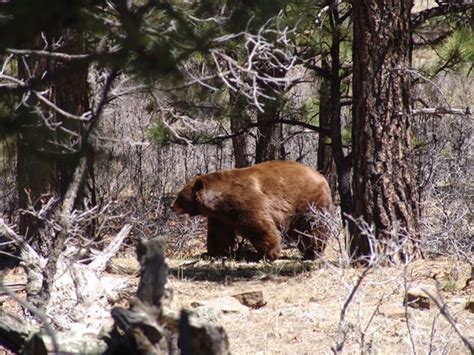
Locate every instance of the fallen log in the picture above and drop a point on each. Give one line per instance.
(76, 316)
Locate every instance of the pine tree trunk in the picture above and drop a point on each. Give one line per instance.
(384, 184)
(238, 121)
(343, 166)
(268, 145)
(326, 165)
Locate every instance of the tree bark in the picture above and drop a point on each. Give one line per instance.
(268, 145)
(238, 121)
(383, 184)
(343, 166)
(332, 161)
(326, 165)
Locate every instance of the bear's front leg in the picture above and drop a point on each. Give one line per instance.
(262, 232)
(268, 248)
(221, 237)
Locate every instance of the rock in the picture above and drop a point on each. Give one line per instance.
(470, 281)
(417, 299)
(208, 314)
(225, 304)
(123, 266)
(312, 316)
(469, 288)
(252, 299)
(394, 312)
(469, 306)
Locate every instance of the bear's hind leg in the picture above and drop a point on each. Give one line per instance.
(220, 237)
(311, 240)
(307, 246)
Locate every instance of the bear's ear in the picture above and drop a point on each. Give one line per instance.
(198, 185)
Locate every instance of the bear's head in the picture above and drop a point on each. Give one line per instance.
(186, 202)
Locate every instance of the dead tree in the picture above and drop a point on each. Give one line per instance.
(147, 327)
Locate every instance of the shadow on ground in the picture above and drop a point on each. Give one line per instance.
(230, 270)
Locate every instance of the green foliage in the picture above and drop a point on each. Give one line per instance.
(7, 114)
(311, 108)
(346, 136)
(159, 134)
(456, 52)
(449, 285)
(445, 153)
(418, 142)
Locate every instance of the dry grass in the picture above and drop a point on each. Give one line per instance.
(303, 310)
(304, 301)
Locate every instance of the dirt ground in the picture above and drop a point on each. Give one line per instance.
(304, 304)
(304, 301)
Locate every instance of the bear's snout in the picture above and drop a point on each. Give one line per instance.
(177, 209)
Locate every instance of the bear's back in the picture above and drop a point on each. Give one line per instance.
(285, 181)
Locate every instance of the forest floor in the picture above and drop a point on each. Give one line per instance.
(304, 300)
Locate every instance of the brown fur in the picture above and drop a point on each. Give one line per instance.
(258, 203)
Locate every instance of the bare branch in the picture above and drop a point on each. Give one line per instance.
(448, 8)
(55, 55)
(442, 111)
(443, 308)
(17, 81)
(86, 117)
(341, 332)
(6, 63)
(9, 233)
(247, 75)
(101, 260)
(64, 224)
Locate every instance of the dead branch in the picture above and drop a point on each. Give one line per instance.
(85, 116)
(246, 75)
(78, 300)
(100, 262)
(64, 221)
(341, 331)
(442, 111)
(443, 308)
(9, 233)
(54, 55)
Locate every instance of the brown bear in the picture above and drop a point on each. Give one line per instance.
(259, 203)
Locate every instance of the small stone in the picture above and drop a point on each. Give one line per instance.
(252, 299)
(208, 314)
(394, 312)
(417, 299)
(469, 288)
(225, 304)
